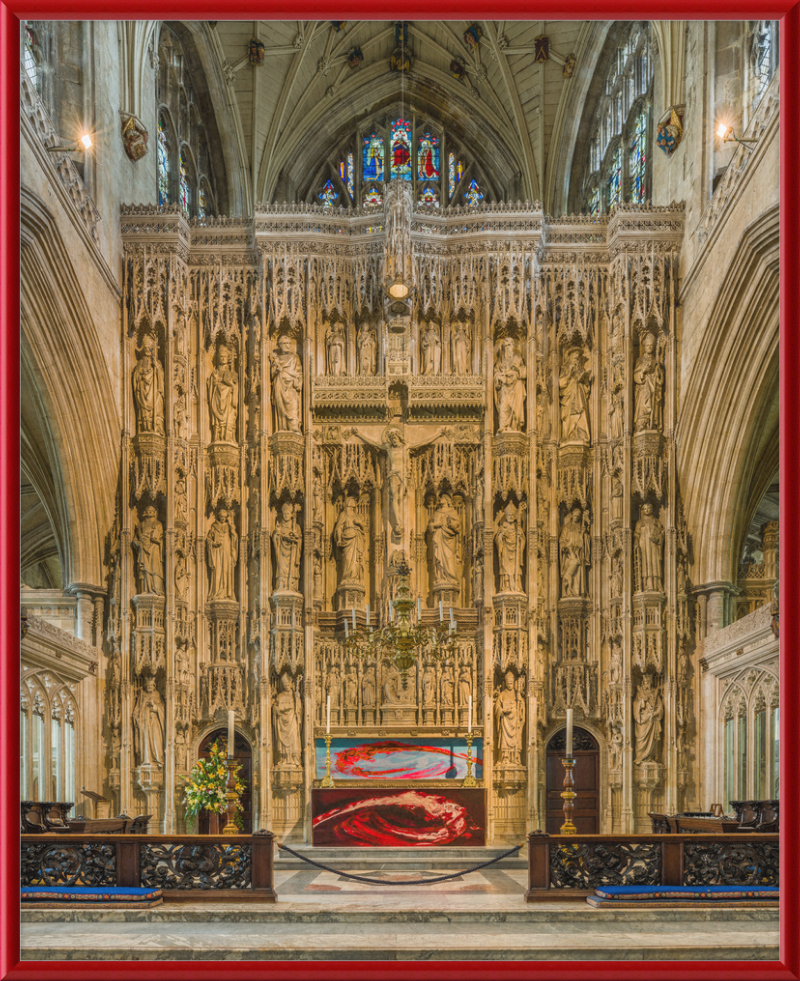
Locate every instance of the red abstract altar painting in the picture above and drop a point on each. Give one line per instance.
(416, 817)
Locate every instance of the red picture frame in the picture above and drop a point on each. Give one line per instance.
(10, 13)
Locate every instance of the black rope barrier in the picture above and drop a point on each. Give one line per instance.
(388, 882)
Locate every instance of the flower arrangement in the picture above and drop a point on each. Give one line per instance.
(206, 786)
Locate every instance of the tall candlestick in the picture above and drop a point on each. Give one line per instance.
(230, 733)
(569, 734)
(469, 715)
(328, 715)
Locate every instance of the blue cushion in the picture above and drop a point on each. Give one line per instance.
(687, 892)
(90, 893)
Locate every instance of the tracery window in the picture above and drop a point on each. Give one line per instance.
(622, 118)
(29, 60)
(401, 150)
(183, 166)
(763, 57)
(750, 740)
(48, 749)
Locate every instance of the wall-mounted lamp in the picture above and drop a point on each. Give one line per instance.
(84, 143)
(727, 135)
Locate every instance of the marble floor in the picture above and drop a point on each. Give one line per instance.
(322, 916)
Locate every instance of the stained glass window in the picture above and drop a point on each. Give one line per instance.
(429, 196)
(594, 201)
(185, 187)
(761, 58)
(455, 171)
(638, 158)
(350, 178)
(614, 183)
(373, 158)
(163, 164)
(401, 150)
(428, 158)
(473, 195)
(373, 197)
(328, 195)
(202, 202)
(29, 59)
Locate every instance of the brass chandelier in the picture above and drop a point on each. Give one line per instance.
(403, 640)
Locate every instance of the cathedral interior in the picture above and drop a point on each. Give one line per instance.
(482, 314)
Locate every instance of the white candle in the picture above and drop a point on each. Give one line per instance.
(230, 733)
(347, 628)
(328, 715)
(367, 614)
(419, 608)
(469, 716)
(391, 613)
(354, 618)
(294, 612)
(569, 734)
(451, 614)
(441, 612)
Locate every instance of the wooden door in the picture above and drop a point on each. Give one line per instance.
(243, 755)
(586, 771)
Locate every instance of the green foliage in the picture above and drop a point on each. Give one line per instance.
(206, 786)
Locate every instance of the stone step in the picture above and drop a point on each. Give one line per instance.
(401, 859)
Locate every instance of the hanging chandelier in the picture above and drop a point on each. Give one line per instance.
(403, 640)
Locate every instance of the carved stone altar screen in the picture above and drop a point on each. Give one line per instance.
(290, 437)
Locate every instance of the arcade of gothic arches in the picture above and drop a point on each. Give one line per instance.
(233, 440)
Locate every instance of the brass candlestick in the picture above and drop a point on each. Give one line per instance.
(326, 780)
(231, 797)
(469, 780)
(568, 795)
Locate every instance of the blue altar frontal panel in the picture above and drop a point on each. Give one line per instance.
(399, 759)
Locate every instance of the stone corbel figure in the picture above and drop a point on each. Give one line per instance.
(148, 388)
(335, 343)
(287, 711)
(223, 397)
(287, 540)
(148, 542)
(509, 719)
(574, 385)
(222, 554)
(287, 386)
(367, 349)
(431, 346)
(648, 543)
(148, 724)
(574, 549)
(648, 380)
(509, 388)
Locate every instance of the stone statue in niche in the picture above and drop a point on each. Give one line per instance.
(148, 543)
(350, 688)
(368, 689)
(616, 499)
(287, 711)
(648, 544)
(148, 388)
(648, 380)
(348, 536)
(431, 346)
(336, 343)
(367, 349)
(445, 531)
(287, 386)
(448, 687)
(181, 498)
(180, 414)
(648, 711)
(222, 554)
(287, 540)
(428, 685)
(574, 385)
(509, 539)
(333, 685)
(392, 686)
(181, 577)
(148, 724)
(223, 397)
(615, 670)
(574, 549)
(617, 577)
(509, 388)
(480, 494)
(464, 685)
(461, 349)
(509, 720)
(543, 414)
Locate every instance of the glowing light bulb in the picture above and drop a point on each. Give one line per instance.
(87, 141)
